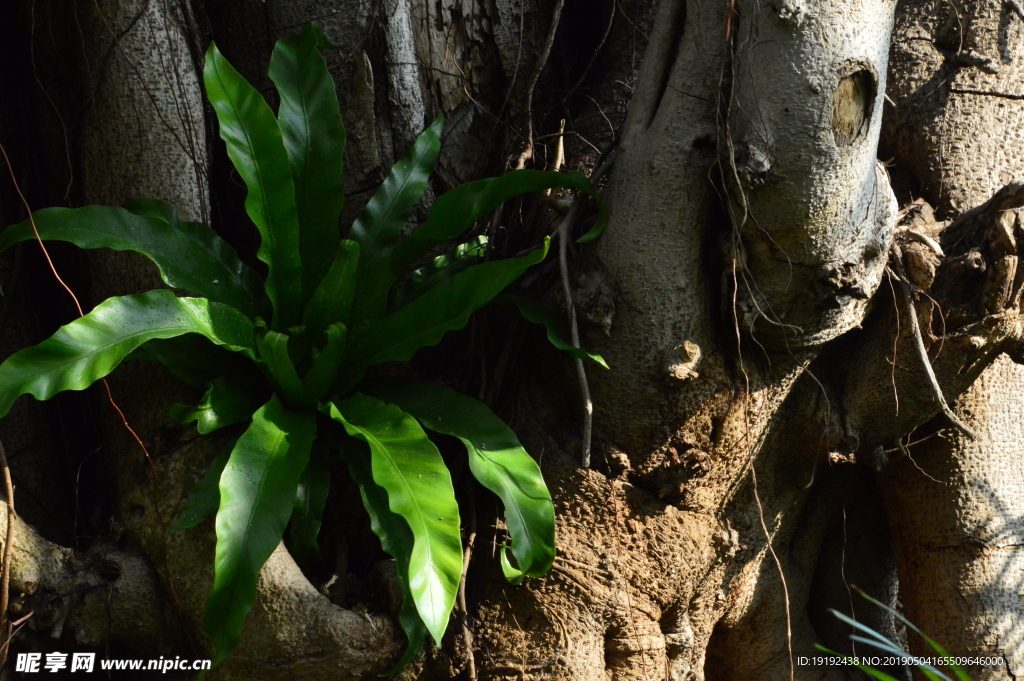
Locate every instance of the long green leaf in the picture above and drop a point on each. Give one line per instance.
(555, 323)
(189, 255)
(397, 540)
(274, 353)
(310, 499)
(314, 136)
(205, 498)
(380, 226)
(257, 493)
(456, 211)
(496, 459)
(332, 300)
(440, 269)
(89, 348)
(256, 148)
(194, 359)
(426, 319)
(228, 400)
(324, 371)
(407, 464)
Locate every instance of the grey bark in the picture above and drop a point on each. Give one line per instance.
(740, 296)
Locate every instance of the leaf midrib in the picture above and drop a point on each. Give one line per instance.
(106, 347)
(424, 330)
(509, 490)
(372, 237)
(409, 494)
(264, 475)
(259, 170)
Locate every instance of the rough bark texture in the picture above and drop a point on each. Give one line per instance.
(767, 435)
(812, 206)
(957, 130)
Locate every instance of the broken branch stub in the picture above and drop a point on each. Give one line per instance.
(811, 206)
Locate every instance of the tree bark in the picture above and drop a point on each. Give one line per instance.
(768, 434)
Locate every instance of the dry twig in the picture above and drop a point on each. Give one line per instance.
(467, 635)
(542, 59)
(581, 372)
(922, 351)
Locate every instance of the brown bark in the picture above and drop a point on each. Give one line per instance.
(739, 296)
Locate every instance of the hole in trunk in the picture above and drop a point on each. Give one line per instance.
(852, 105)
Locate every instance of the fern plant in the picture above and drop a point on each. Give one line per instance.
(288, 356)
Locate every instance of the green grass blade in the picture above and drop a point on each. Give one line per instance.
(496, 459)
(555, 323)
(332, 300)
(957, 670)
(256, 148)
(870, 671)
(926, 669)
(89, 348)
(188, 255)
(380, 226)
(257, 494)
(455, 212)
(407, 464)
(425, 320)
(314, 137)
(308, 512)
(205, 498)
(878, 638)
(396, 539)
(228, 400)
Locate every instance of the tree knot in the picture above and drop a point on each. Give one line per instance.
(683, 360)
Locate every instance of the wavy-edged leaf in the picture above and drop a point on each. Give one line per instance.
(274, 353)
(496, 458)
(397, 540)
(332, 300)
(314, 137)
(194, 359)
(407, 464)
(324, 371)
(256, 148)
(257, 494)
(310, 499)
(228, 400)
(205, 498)
(454, 212)
(188, 255)
(440, 269)
(554, 322)
(89, 348)
(380, 226)
(425, 320)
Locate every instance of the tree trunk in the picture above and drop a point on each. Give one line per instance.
(785, 326)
